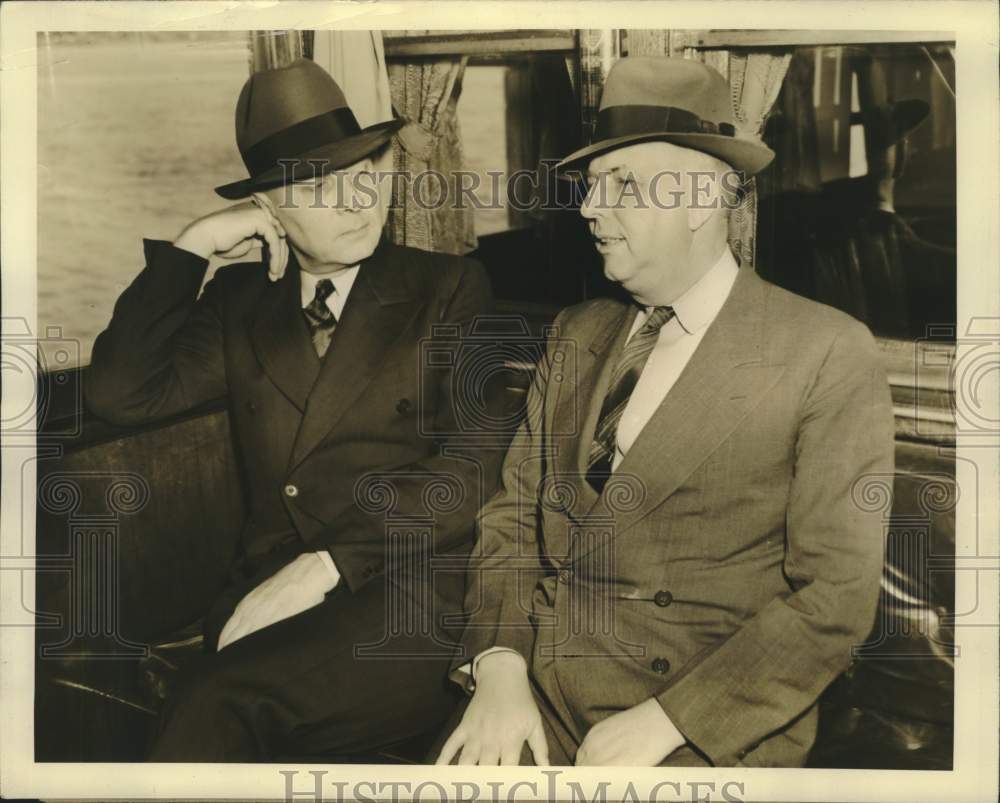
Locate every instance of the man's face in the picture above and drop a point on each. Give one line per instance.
(333, 221)
(637, 208)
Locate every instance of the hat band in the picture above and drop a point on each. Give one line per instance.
(314, 132)
(624, 121)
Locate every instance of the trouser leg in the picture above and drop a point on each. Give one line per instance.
(301, 685)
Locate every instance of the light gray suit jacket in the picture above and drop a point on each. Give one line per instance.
(730, 563)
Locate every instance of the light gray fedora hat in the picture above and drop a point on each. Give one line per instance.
(657, 99)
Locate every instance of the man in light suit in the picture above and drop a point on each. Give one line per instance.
(679, 559)
(335, 409)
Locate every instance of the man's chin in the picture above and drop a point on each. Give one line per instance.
(354, 254)
(616, 272)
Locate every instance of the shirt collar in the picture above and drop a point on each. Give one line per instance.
(342, 282)
(701, 302)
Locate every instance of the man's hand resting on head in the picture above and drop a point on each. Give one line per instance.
(297, 587)
(500, 718)
(232, 232)
(640, 736)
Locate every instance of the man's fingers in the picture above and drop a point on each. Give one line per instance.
(279, 263)
(539, 747)
(242, 248)
(274, 233)
(284, 256)
(278, 254)
(489, 755)
(265, 229)
(510, 756)
(470, 754)
(451, 747)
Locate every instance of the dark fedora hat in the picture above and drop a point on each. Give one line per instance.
(680, 101)
(887, 123)
(297, 113)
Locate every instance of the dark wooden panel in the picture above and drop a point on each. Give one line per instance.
(728, 39)
(457, 44)
(169, 502)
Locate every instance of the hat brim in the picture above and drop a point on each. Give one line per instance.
(743, 155)
(909, 114)
(334, 156)
(905, 115)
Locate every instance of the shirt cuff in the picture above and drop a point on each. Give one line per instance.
(327, 559)
(483, 654)
(469, 667)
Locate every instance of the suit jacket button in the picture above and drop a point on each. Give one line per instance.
(291, 490)
(403, 406)
(251, 407)
(661, 665)
(663, 598)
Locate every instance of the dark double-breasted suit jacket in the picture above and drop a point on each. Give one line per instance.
(734, 557)
(329, 449)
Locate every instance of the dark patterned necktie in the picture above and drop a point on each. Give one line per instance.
(623, 381)
(319, 317)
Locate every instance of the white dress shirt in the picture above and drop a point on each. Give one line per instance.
(679, 337)
(343, 281)
(342, 284)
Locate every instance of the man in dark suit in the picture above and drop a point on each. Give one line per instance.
(329, 639)
(682, 553)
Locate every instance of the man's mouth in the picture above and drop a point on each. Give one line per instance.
(606, 241)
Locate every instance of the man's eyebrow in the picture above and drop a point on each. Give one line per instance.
(615, 169)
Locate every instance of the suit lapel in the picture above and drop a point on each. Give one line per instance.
(281, 338)
(725, 379)
(377, 311)
(579, 406)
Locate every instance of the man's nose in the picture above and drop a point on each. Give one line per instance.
(356, 196)
(589, 208)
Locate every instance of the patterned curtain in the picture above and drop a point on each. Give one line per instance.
(270, 49)
(599, 49)
(755, 79)
(426, 94)
(652, 42)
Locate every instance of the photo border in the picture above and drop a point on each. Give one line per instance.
(974, 776)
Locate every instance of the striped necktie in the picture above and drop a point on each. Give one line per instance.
(320, 319)
(623, 381)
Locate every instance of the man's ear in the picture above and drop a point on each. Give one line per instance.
(698, 216)
(706, 195)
